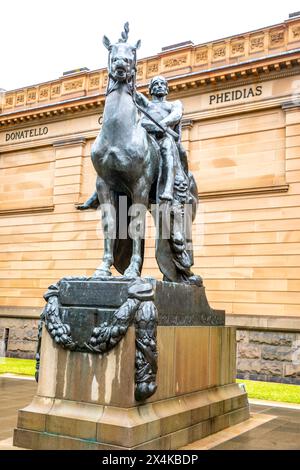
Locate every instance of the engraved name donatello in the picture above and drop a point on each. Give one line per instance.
(235, 95)
(26, 133)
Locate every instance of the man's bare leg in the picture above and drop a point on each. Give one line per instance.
(166, 147)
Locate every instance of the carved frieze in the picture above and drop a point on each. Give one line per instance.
(20, 99)
(71, 86)
(219, 52)
(294, 33)
(257, 43)
(9, 101)
(140, 71)
(276, 38)
(152, 68)
(175, 62)
(201, 56)
(44, 93)
(237, 48)
(55, 91)
(104, 80)
(31, 96)
(94, 82)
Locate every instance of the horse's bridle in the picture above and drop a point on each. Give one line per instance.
(131, 88)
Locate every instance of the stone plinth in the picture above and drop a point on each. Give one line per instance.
(95, 300)
(87, 401)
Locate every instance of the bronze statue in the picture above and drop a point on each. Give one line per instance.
(138, 154)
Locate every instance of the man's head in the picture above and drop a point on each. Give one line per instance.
(158, 86)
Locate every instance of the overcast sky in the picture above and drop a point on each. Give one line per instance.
(40, 39)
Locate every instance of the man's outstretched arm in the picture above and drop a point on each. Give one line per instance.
(141, 100)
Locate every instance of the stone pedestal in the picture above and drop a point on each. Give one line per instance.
(86, 401)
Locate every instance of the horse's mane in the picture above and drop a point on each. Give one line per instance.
(124, 34)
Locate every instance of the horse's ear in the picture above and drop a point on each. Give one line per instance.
(106, 42)
(138, 44)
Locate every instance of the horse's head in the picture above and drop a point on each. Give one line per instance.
(122, 57)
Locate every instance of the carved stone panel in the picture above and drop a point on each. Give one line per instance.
(237, 48)
(140, 72)
(201, 56)
(256, 43)
(55, 90)
(44, 93)
(294, 33)
(94, 82)
(219, 52)
(276, 38)
(104, 80)
(152, 68)
(20, 99)
(9, 101)
(72, 86)
(31, 96)
(175, 62)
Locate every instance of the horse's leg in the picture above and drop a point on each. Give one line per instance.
(107, 203)
(140, 198)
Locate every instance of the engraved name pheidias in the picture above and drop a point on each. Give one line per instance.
(235, 95)
(26, 133)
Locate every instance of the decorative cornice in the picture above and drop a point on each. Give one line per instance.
(187, 123)
(20, 312)
(243, 52)
(72, 142)
(289, 105)
(263, 322)
(27, 210)
(280, 188)
(255, 55)
(182, 85)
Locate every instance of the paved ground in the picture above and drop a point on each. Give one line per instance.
(270, 427)
(14, 394)
(280, 433)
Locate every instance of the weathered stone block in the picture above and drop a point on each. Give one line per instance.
(16, 334)
(292, 370)
(242, 336)
(271, 368)
(251, 366)
(30, 335)
(21, 346)
(24, 330)
(276, 339)
(277, 353)
(249, 351)
(93, 396)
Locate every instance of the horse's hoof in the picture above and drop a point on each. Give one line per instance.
(131, 273)
(101, 273)
(195, 280)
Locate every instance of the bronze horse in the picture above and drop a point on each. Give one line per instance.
(127, 161)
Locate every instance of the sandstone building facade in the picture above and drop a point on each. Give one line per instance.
(241, 98)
